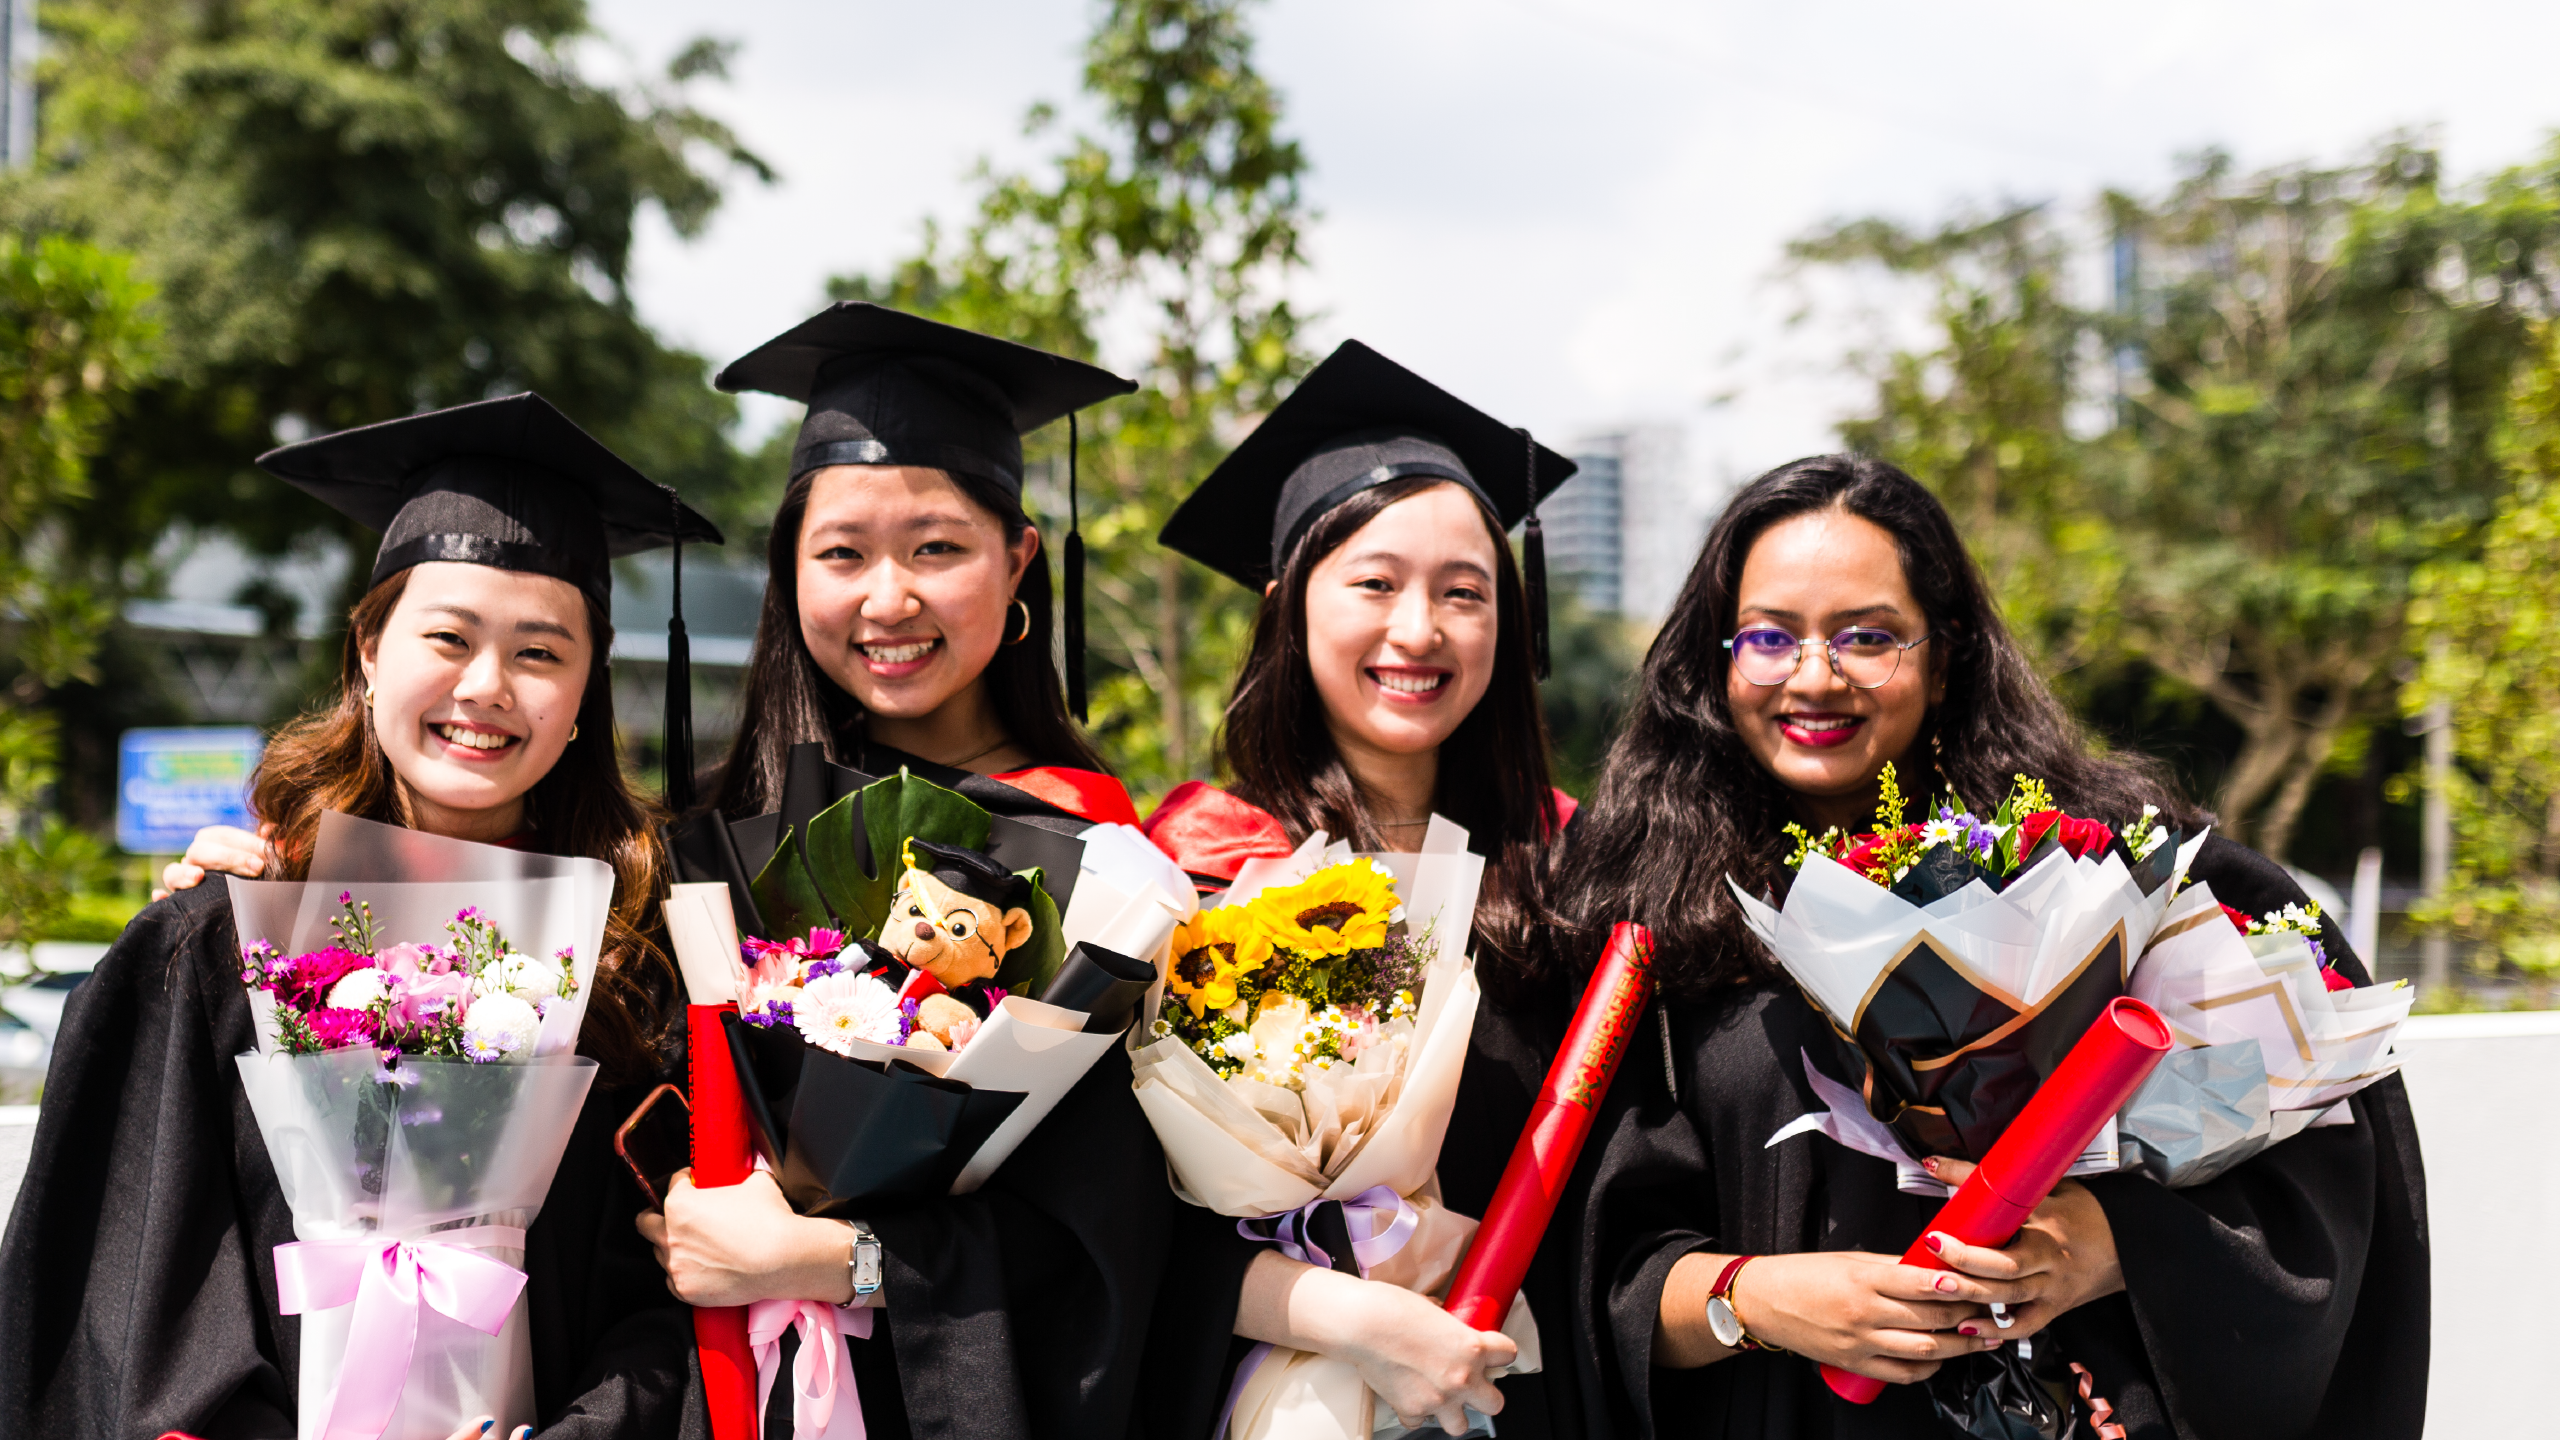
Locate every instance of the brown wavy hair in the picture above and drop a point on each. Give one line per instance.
(789, 701)
(330, 759)
(1493, 772)
(1682, 803)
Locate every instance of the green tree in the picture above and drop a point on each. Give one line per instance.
(354, 209)
(2305, 388)
(1184, 213)
(2485, 625)
(73, 334)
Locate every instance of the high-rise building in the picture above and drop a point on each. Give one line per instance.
(17, 83)
(1585, 529)
(1622, 531)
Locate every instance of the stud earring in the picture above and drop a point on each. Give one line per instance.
(368, 697)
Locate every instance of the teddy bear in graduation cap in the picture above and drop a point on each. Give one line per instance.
(955, 917)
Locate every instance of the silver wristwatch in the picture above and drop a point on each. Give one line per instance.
(862, 1263)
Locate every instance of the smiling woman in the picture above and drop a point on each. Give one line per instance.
(472, 703)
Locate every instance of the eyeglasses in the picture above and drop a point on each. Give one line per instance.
(1865, 658)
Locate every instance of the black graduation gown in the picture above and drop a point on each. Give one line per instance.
(2287, 1298)
(137, 1278)
(1022, 1309)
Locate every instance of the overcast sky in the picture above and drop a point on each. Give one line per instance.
(1570, 213)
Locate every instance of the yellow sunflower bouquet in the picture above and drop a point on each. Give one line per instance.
(1303, 977)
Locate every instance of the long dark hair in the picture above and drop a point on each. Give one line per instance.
(1682, 804)
(331, 759)
(1493, 766)
(790, 701)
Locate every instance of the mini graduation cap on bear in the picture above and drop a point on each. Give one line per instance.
(970, 872)
(514, 484)
(1358, 421)
(888, 388)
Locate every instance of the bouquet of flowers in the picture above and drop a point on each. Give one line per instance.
(917, 1020)
(417, 1003)
(1300, 1071)
(1957, 960)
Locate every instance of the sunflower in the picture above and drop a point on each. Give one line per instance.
(1211, 951)
(1335, 911)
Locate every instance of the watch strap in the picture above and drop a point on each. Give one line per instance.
(1723, 1290)
(862, 1261)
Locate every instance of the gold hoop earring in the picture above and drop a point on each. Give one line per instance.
(1025, 608)
(573, 731)
(368, 697)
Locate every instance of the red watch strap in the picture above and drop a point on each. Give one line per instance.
(1724, 1281)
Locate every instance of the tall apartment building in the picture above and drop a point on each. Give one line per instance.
(1585, 529)
(1622, 531)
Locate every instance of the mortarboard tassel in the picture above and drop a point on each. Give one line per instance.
(1074, 610)
(679, 736)
(1533, 565)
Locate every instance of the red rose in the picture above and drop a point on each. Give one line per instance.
(2335, 981)
(2241, 920)
(2083, 838)
(1862, 851)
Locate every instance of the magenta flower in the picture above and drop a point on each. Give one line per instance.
(337, 1029)
(303, 981)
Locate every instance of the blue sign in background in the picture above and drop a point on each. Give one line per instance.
(173, 781)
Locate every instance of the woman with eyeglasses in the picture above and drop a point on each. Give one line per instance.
(1834, 625)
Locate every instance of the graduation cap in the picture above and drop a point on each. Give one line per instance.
(510, 483)
(887, 388)
(971, 872)
(1356, 422)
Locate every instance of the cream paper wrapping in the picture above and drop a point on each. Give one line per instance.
(1247, 1149)
(517, 1117)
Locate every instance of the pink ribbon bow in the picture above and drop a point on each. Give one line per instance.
(387, 1280)
(821, 1374)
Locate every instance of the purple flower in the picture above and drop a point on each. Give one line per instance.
(769, 1015)
(820, 969)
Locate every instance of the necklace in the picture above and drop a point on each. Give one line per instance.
(963, 762)
(1402, 824)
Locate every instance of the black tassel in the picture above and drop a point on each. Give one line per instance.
(679, 737)
(1074, 610)
(1533, 567)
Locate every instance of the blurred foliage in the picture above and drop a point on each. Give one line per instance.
(73, 334)
(1596, 655)
(1182, 218)
(2232, 474)
(358, 209)
(2486, 625)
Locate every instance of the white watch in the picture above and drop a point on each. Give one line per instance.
(862, 1262)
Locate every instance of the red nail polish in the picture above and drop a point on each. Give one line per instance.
(1936, 1245)
(1930, 1165)
(1968, 1332)
(1946, 1282)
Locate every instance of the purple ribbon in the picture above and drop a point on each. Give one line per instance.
(1290, 1231)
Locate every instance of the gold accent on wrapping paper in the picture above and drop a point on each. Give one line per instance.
(1618, 1024)
(2170, 932)
(1858, 1016)
(2115, 934)
(2282, 991)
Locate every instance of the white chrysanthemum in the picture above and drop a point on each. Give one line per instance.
(361, 989)
(500, 1027)
(1239, 1047)
(1941, 832)
(836, 1010)
(527, 976)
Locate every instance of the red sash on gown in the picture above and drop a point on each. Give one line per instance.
(1211, 833)
(1088, 794)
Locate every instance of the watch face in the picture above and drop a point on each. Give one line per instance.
(1723, 1323)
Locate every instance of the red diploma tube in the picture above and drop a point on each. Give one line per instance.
(1558, 1124)
(721, 1156)
(2092, 1083)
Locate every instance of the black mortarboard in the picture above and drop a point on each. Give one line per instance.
(510, 483)
(1357, 421)
(971, 872)
(888, 388)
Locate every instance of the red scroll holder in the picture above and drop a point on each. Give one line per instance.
(1543, 1160)
(2091, 1084)
(705, 935)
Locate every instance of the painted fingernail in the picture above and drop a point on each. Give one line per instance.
(1946, 1282)
(488, 1425)
(1968, 1332)
(1930, 1165)
(1936, 1242)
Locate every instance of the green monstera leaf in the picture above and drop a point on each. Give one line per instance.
(785, 895)
(1027, 969)
(820, 878)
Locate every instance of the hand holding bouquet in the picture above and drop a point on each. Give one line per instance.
(417, 1003)
(1301, 1070)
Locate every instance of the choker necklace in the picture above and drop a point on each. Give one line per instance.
(963, 762)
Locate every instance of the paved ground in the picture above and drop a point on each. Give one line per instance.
(2481, 1085)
